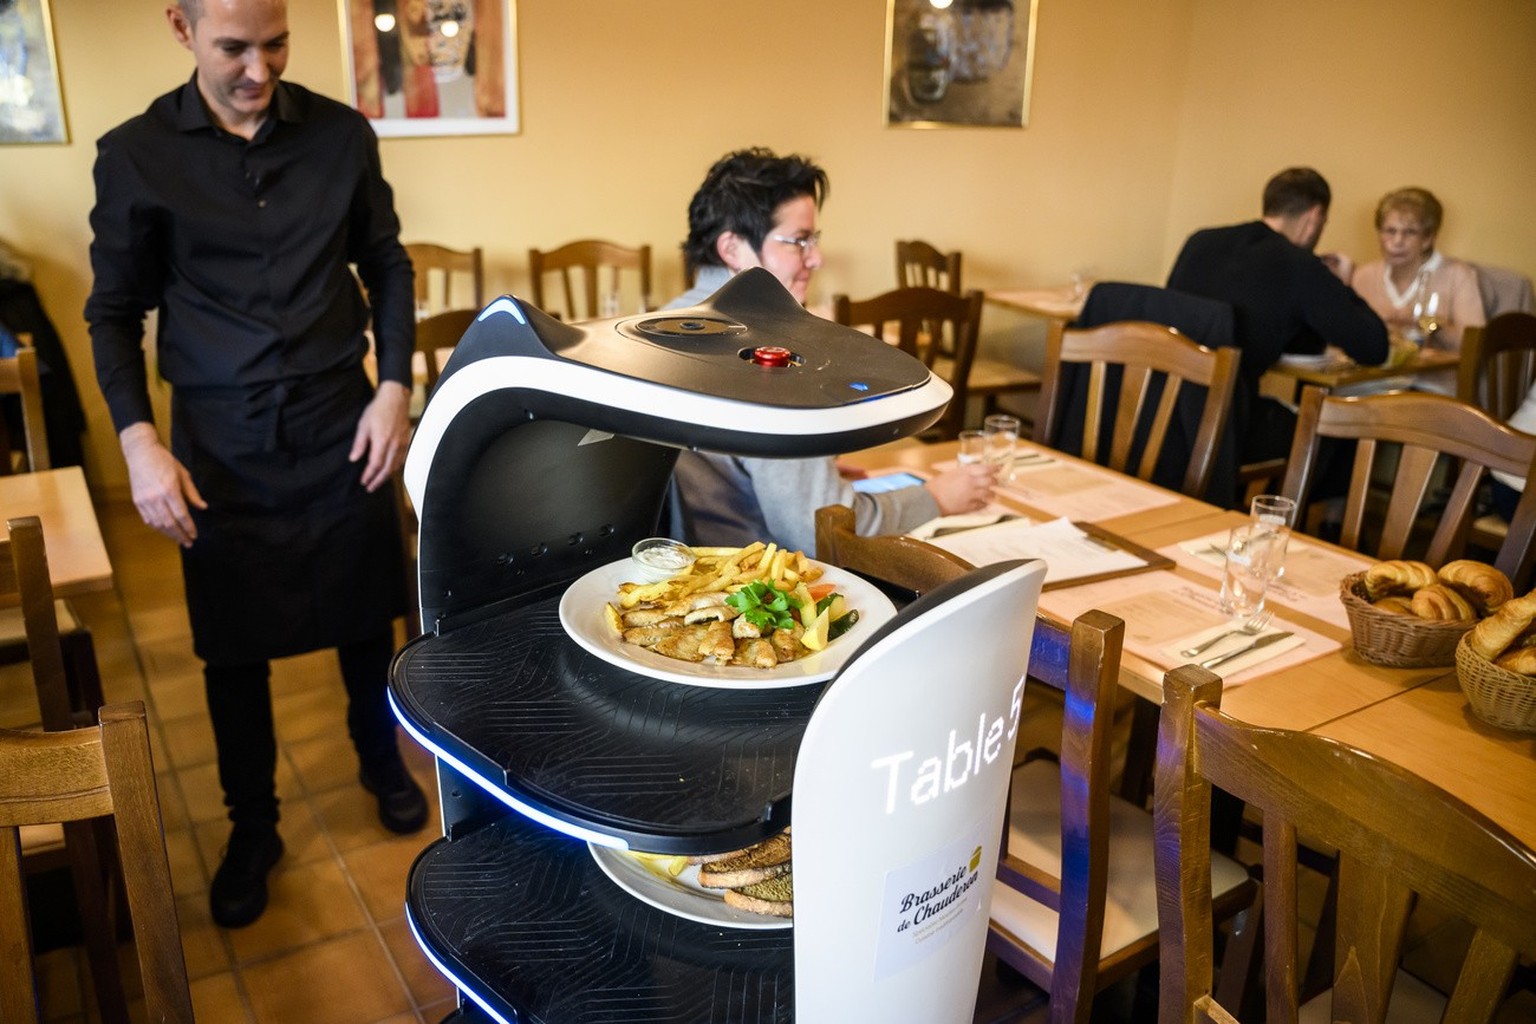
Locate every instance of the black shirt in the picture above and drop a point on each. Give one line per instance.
(1284, 299)
(244, 248)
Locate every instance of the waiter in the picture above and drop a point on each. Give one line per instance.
(234, 205)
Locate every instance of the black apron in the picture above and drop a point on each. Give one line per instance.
(292, 554)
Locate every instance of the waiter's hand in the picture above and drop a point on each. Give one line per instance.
(963, 489)
(162, 487)
(383, 433)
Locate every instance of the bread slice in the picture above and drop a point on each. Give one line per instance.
(775, 896)
(755, 864)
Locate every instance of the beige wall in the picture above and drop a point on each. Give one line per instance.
(1148, 119)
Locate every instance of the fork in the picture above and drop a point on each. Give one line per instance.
(1253, 627)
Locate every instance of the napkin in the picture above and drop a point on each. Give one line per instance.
(1232, 643)
(989, 516)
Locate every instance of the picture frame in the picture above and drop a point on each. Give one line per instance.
(31, 97)
(959, 63)
(432, 67)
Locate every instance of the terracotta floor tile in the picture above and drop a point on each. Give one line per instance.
(426, 984)
(189, 868)
(202, 942)
(351, 816)
(173, 806)
(380, 870)
(318, 711)
(303, 840)
(304, 672)
(178, 694)
(205, 797)
(217, 998)
(324, 762)
(434, 1012)
(350, 978)
(308, 902)
(188, 741)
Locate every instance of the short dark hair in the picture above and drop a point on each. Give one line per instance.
(1419, 203)
(191, 10)
(740, 194)
(1294, 191)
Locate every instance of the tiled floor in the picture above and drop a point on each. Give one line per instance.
(333, 946)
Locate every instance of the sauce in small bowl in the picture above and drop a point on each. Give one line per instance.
(660, 558)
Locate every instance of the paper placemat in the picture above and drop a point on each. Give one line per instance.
(1069, 551)
(1077, 491)
(1164, 612)
(1310, 584)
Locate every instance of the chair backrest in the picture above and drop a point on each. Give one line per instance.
(70, 776)
(920, 265)
(601, 265)
(19, 376)
(436, 267)
(1498, 364)
(900, 790)
(1396, 834)
(904, 561)
(24, 582)
(935, 326)
(439, 331)
(1427, 426)
(1155, 364)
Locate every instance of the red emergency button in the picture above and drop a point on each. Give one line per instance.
(771, 355)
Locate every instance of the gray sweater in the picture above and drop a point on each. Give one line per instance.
(731, 500)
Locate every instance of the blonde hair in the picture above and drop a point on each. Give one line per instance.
(1420, 203)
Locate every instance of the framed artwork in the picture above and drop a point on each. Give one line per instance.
(31, 102)
(959, 63)
(432, 67)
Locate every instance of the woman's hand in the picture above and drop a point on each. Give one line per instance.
(963, 489)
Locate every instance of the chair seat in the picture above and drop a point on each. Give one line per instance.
(40, 839)
(991, 376)
(14, 631)
(1411, 1002)
(1130, 901)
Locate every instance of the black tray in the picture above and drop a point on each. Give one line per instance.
(525, 918)
(663, 766)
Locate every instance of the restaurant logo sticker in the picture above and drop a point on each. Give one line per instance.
(925, 901)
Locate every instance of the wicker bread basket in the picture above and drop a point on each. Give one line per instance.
(1398, 641)
(1497, 695)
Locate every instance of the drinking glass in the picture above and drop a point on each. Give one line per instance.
(973, 447)
(1002, 434)
(1426, 311)
(608, 305)
(1247, 570)
(1277, 514)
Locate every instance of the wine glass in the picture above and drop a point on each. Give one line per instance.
(1426, 310)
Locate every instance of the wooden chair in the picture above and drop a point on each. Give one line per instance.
(19, 376)
(1149, 356)
(1497, 369)
(73, 777)
(920, 265)
(436, 267)
(441, 331)
(68, 685)
(1074, 910)
(939, 328)
(1397, 835)
(1427, 427)
(595, 259)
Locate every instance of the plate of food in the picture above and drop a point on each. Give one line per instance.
(738, 618)
(752, 888)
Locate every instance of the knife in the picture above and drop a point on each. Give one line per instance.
(1263, 641)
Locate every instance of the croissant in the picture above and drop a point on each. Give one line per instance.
(1440, 602)
(1486, 587)
(1521, 659)
(1397, 577)
(1396, 604)
(1497, 632)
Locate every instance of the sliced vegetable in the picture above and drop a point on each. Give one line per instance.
(842, 624)
(821, 590)
(816, 634)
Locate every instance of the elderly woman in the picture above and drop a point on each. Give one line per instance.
(1410, 271)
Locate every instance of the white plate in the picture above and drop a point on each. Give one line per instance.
(581, 613)
(1314, 361)
(681, 895)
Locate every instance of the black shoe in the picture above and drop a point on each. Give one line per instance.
(239, 891)
(402, 804)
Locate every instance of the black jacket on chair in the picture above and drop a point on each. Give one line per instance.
(22, 313)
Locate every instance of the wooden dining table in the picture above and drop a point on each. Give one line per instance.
(1285, 379)
(1415, 717)
(77, 555)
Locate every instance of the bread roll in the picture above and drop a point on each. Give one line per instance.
(1397, 577)
(1486, 587)
(1493, 636)
(1439, 602)
(1397, 604)
(1521, 659)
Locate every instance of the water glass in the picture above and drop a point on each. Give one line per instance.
(1278, 514)
(1247, 570)
(973, 447)
(1002, 434)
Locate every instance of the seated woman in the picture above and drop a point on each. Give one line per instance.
(1411, 271)
(756, 209)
